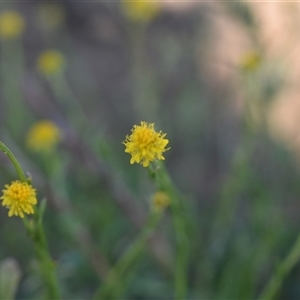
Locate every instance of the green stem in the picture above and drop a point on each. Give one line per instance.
(68, 101)
(11, 72)
(113, 286)
(145, 98)
(14, 161)
(48, 267)
(182, 255)
(37, 234)
(283, 269)
(164, 182)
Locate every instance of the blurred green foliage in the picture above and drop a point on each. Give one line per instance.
(240, 188)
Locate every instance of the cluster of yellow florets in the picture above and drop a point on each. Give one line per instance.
(19, 197)
(43, 136)
(11, 24)
(145, 144)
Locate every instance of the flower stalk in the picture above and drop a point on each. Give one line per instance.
(35, 230)
(160, 176)
(282, 270)
(114, 283)
(12, 26)
(14, 161)
(146, 147)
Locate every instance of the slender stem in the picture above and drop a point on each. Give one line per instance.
(164, 182)
(282, 271)
(11, 72)
(113, 286)
(67, 99)
(145, 99)
(46, 263)
(36, 232)
(14, 161)
(182, 255)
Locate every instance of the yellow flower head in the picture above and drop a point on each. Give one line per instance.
(140, 10)
(43, 136)
(250, 61)
(145, 144)
(50, 62)
(19, 197)
(11, 24)
(160, 201)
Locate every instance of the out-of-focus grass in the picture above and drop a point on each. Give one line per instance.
(178, 70)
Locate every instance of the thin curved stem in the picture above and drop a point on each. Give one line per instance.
(113, 287)
(164, 182)
(37, 234)
(283, 269)
(14, 161)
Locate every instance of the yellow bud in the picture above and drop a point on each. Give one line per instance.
(250, 61)
(160, 201)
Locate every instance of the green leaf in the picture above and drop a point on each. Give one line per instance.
(10, 275)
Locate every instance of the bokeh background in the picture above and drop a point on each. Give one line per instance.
(220, 78)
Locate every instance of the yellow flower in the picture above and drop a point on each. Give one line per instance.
(145, 144)
(50, 62)
(43, 136)
(141, 10)
(160, 201)
(19, 197)
(11, 24)
(250, 61)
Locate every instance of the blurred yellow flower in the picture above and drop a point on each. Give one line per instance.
(250, 61)
(50, 62)
(140, 10)
(19, 197)
(12, 24)
(160, 201)
(43, 136)
(145, 144)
